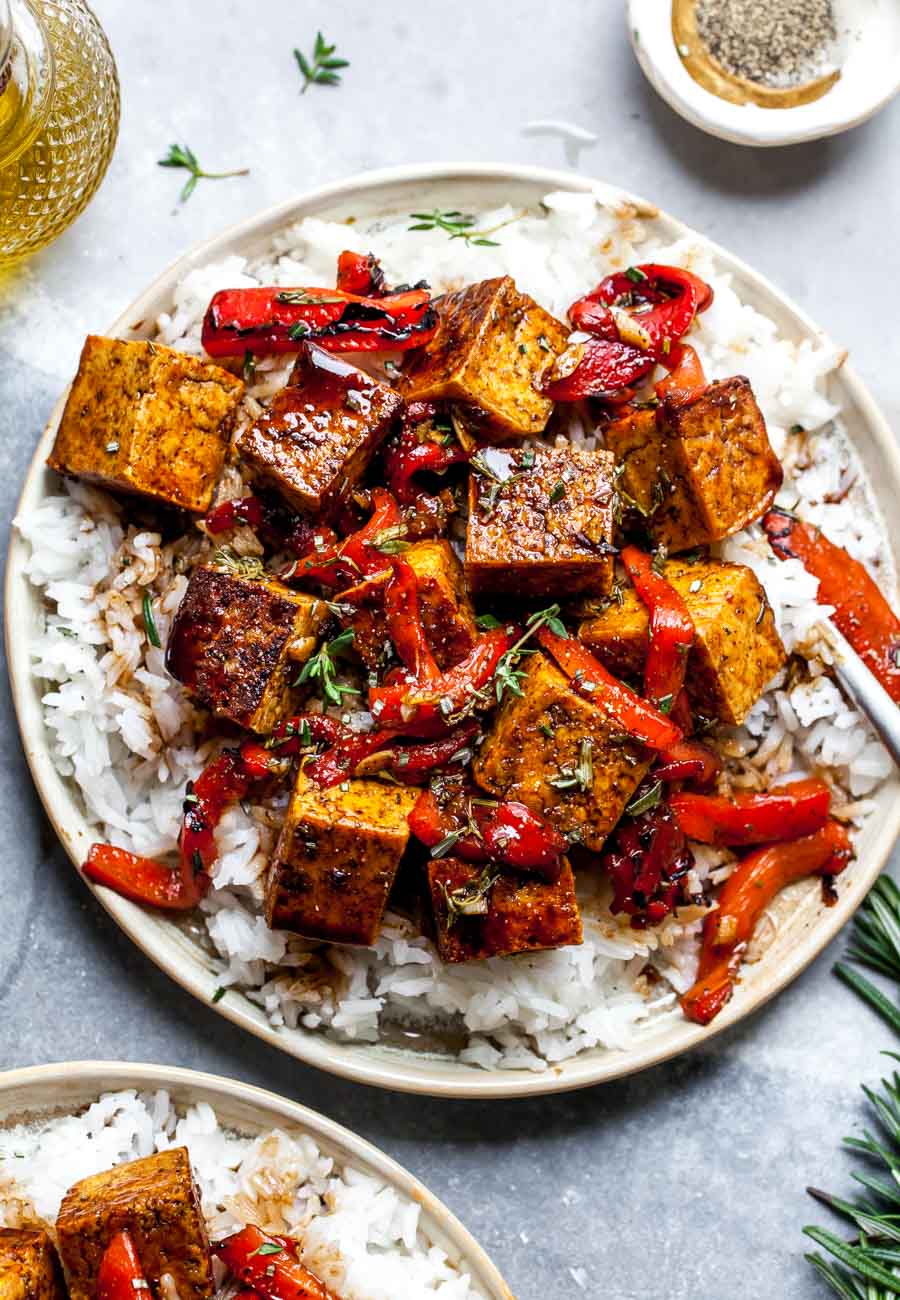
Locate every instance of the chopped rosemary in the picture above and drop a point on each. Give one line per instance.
(266, 1248)
(390, 541)
(645, 799)
(242, 566)
(321, 668)
(471, 899)
(303, 298)
(580, 774)
(323, 70)
(218, 995)
(181, 156)
(150, 621)
(635, 274)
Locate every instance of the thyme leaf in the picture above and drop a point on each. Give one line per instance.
(322, 69)
(322, 669)
(580, 774)
(180, 155)
(472, 899)
(460, 225)
(150, 621)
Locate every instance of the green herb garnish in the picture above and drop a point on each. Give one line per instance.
(487, 622)
(181, 156)
(579, 775)
(634, 274)
(471, 899)
(242, 566)
(557, 492)
(150, 621)
(390, 541)
(266, 1248)
(249, 367)
(644, 800)
(218, 995)
(507, 677)
(323, 70)
(459, 225)
(321, 668)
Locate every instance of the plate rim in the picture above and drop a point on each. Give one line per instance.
(393, 1069)
(114, 1076)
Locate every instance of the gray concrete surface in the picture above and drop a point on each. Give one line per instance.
(686, 1181)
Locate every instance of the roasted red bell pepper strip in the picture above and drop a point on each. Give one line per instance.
(404, 623)
(686, 378)
(272, 319)
(589, 677)
(860, 611)
(411, 455)
(347, 750)
(508, 833)
(689, 760)
(671, 629)
(597, 368)
(662, 299)
(278, 527)
(267, 1265)
(647, 859)
(361, 273)
(427, 708)
(746, 894)
(141, 879)
(240, 510)
(357, 556)
(785, 813)
(120, 1275)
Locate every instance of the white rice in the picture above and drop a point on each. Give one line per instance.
(124, 731)
(359, 1235)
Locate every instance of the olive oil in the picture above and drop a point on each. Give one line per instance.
(59, 118)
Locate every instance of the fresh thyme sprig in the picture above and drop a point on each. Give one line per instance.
(323, 69)
(321, 668)
(868, 1267)
(242, 566)
(507, 677)
(180, 155)
(460, 225)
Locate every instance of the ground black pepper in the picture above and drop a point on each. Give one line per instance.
(775, 43)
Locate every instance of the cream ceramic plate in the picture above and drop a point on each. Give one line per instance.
(807, 925)
(45, 1090)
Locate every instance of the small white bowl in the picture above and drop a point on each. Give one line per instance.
(869, 62)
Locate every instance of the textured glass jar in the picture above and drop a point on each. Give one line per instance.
(59, 118)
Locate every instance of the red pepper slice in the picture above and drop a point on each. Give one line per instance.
(410, 456)
(860, 611)
(509, 833)
(269, 1267)
(689, 760)
(746, 894)
(268, 320)
(647, 859)
(141, 879)
(671, 628)
(240, 510)
(597, 368)
(589, 677)
(357, 556)
(786, 813)
(427, 708)
(686, 378)
(404, 623)
(361, 273)
(120, 1275)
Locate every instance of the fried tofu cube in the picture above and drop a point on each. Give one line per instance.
(237, 644)
(29, 1266)
(316, 439)
(698, 470)
(492, 345)
(562, 755)
(523, 914)
(540, 522)
(143, 418)
(737, 650)
(156, 1200)
(336, 859)
(447, 613)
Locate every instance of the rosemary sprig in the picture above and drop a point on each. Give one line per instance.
(322, 71)
(460, 225)
(242, 566)
(868, 1268)
(321, 668)
(180, 155)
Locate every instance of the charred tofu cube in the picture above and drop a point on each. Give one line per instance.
(157, 1202)
(316, 439)
(29, 1266)
(737, 650)
(447, 614)
(698, 470)
(237, 644)
(492, 346)
(523, 915)
(561, 755)
(144, 418)
(540, 522)
(336, 859)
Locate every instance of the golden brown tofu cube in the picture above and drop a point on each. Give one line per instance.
(316, 439)
(237, 644)
(492, 346)
(561, 755)
(336, 859)
(523, 914)
(144, 418)
(737, 650)
(157, 1202)
(29, 1266)
(699, 470)
(447, 614)
(540, 522)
